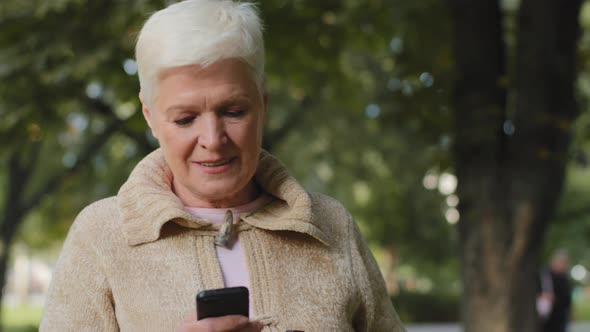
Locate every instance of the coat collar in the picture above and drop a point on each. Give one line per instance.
(146, 202)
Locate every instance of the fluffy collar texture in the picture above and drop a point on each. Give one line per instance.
(146, 202)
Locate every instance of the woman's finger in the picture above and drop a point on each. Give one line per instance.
(216, 324)
(253, 327)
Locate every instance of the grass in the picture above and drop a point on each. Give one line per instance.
(582, 310)
(21, 318)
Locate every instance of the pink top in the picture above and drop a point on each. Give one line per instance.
(232, 261)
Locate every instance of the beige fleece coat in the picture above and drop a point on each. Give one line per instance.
(135, 262)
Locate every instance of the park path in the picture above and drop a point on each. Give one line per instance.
(575, 327)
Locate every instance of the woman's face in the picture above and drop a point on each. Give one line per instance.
(209, 124)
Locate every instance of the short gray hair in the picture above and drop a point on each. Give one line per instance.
(198, 32)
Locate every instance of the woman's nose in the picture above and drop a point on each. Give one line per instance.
(212, 134)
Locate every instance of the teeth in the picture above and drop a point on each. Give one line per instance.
(219, 163)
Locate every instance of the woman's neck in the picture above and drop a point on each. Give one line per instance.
(244, 196)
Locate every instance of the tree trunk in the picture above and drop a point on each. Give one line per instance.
(10, 218)
(510, 163)
(9, 225)
(4, 255)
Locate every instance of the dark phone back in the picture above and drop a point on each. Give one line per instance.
(223, 302)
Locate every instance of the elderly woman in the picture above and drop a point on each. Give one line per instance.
(134, 262)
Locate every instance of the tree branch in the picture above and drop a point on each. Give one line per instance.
(12, 206)
(89, 151)
(106, 110)
(271, 139)
(573, 214)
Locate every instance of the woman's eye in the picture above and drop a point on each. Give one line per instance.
(184, 121)
(234, 113)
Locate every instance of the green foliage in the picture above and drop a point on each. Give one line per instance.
(52, 60)
(362, 59)
(327, 62)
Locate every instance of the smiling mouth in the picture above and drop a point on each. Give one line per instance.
(216, 163)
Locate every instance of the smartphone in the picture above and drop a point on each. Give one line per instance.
(223, 302)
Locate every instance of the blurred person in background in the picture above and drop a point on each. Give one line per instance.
(135, 262)
(555, 297)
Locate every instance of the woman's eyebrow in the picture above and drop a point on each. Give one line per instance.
(232, 100)
(180, 107)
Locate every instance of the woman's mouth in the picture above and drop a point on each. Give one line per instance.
(216, 166)
(214, 163)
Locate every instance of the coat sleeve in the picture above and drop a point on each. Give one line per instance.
(376, 312)
(79, 297)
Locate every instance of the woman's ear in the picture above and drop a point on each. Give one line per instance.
(147, 114)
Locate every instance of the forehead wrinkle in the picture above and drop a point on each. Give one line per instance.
(209, 90)
(212, 102)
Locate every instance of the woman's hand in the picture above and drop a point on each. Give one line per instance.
(219, 324)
